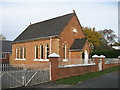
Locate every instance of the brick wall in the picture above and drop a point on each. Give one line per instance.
(110, 65)
(80, 70)
(5, 60)
(64, 72)
(30, 50)
(75, 71)
(75, 54)
(67, 36)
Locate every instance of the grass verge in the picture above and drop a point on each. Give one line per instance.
(76, 79)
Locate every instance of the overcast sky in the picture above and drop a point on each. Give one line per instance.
(16, 15)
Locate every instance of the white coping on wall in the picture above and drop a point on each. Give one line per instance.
(102, 56)
(77, 65)
(54, 55)
(95, 56)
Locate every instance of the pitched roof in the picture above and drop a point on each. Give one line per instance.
(51, 27)
(5, 46)
(78, 44)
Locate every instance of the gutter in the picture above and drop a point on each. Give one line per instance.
(75, 49)
(35, 38)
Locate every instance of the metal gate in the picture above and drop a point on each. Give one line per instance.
(24, 75)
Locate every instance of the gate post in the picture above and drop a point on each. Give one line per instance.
(96, 59)
(54, 66)
(102, 57)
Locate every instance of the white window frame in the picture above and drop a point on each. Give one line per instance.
(41, 59)
(19, 54)
(46, 51)
(41, 52)
(24, 52)
(21, 48)
(16, 53)
(35, 52)
(65, 51)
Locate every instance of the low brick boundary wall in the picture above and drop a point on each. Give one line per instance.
(64, 72)
(75, 71)
(110, 65)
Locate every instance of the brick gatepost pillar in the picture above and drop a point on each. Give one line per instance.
(54, 66)
(96, 59)
(102, 57)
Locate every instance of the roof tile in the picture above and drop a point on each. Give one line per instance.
(45, 28)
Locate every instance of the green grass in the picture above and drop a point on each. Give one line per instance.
(76, 79)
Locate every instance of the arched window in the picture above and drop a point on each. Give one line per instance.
(24, 56)
(17, 52)
(21, 52)
(47, 51)
(36, 52)
(41, 51)
(64, 52)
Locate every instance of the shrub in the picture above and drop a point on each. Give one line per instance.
(107, 53)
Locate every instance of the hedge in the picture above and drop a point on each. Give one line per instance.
(107, 53)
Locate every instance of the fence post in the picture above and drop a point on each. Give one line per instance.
(54, 66)
(96, 59)
(102, 57)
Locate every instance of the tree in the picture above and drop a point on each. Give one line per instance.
(108, 36)
(93, 37)
(2, 37)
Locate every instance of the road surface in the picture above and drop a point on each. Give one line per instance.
(109, 80)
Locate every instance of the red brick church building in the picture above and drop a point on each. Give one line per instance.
(62, 35)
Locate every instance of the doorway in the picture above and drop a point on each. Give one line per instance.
(85, 57)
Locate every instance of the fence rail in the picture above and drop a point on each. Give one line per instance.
(111, 60)
(62, 62)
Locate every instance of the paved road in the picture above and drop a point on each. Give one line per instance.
(109, 80)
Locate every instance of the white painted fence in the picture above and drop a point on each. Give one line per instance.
(111, 60)
(75, 61)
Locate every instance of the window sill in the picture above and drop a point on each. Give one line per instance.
(65, 60)
(20, 59)
(46, 60)
(36, 60)
(41, 60)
